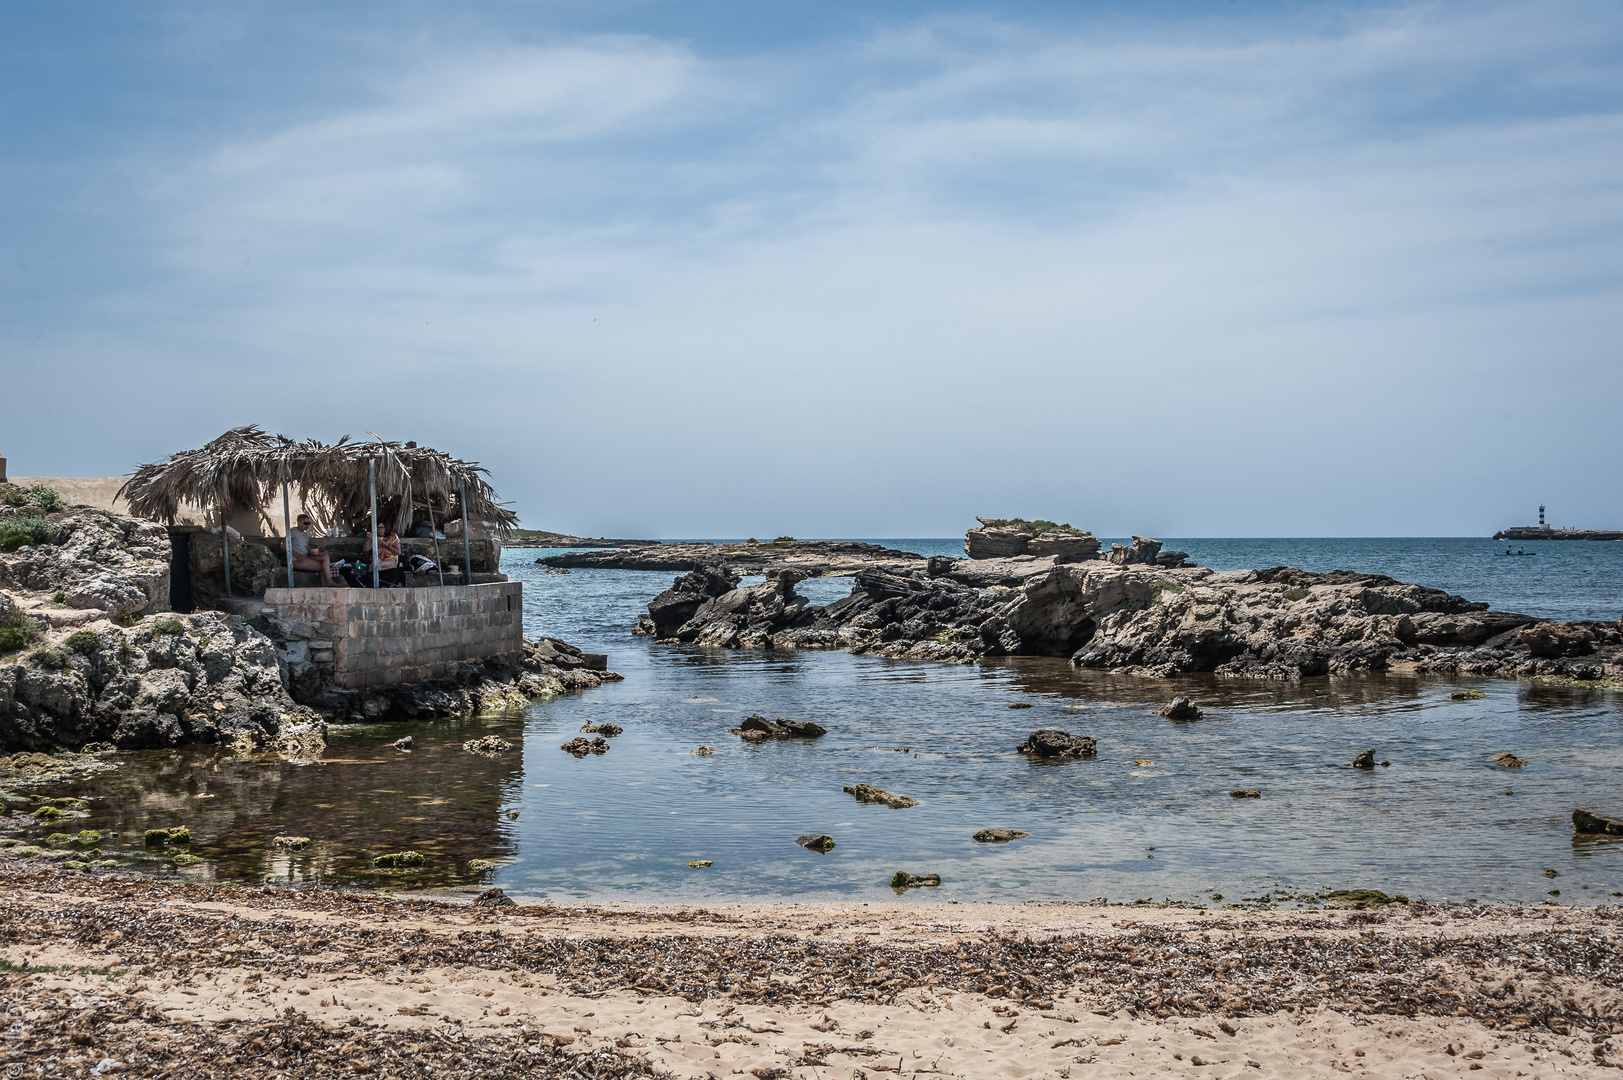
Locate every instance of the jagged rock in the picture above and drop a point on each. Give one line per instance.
(1466, 695)
(488, 746)
(757, 727)
(1585, 822)
(403, 743)
(290, 843)
(1148, 618)
(494, 898)
(1020, 705)
(995, 541)
(96, 560)
(867, 793)
(1246, 793)
(580, 747)
(1366, 760)
(1508, 760)
(816, 842)
(676, 606)
(998, 836)
(606, 730)
(1053, 743)
(1180, 708)
(164, 681)
(703, 751)
(1065, 547)
(700, 864)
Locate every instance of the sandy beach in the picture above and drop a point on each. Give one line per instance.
(127, 976)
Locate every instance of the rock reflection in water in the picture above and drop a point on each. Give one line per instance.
(362, 797)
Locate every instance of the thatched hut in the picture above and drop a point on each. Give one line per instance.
(242, 474)
(252, 481)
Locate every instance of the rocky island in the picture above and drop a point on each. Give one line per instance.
(1137, 610)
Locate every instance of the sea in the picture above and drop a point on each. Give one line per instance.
(1150, 819)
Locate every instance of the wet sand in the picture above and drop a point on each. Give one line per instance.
(139, 977)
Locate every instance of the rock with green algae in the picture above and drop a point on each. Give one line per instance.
(88, 837)
(904, 880)
(290, 843)
(59, 838)
(482, 866)
(48, 813)
(399, 860)
(1360, 898)
(999, 836)
(174, 837)
(867, 793)
(816, 842)
(75, 864)
(27, 851)
(189, 860)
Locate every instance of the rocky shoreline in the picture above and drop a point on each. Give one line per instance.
(1137, 611)
(90, 656)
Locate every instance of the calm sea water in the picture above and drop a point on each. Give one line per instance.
(1150, 817)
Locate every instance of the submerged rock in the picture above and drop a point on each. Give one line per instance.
(998, 836)
(399, 860)
(482, 866)
(1508, 760)
(178, 835)
(1020, 705)
(816, 842)
(1246, 793)
(703, 751)
(290, 843)
(403, 743)
(1360, 898)
(1466, 695)
(1053, 743)
(580, 747)
(1180, 708)
(904, 880)
(867, 793)
(700, 864)
(757, 727)
(493, 898)
(1585, 822)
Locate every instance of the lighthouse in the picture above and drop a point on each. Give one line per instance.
(1541, 517)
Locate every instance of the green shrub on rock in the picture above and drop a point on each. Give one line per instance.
(83, 641)
(169, 626)
(46, 498)
(17, 631)
(22, 530)
(50, 659)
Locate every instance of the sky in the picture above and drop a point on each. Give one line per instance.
(834, 268)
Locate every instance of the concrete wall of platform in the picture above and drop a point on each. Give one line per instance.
(357, 638)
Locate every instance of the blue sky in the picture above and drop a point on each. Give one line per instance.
(836, 268)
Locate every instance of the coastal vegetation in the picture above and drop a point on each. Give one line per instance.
(1032, 528)
(24, 530)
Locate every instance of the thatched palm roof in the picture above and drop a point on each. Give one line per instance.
(242, 471)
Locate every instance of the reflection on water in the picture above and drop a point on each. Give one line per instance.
(1150, 817)
(363, 798)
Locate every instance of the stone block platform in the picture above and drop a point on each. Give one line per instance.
(358, 638)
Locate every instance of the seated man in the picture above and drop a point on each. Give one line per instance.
(306, 558)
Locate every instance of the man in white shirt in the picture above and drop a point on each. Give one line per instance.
(305, 557)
